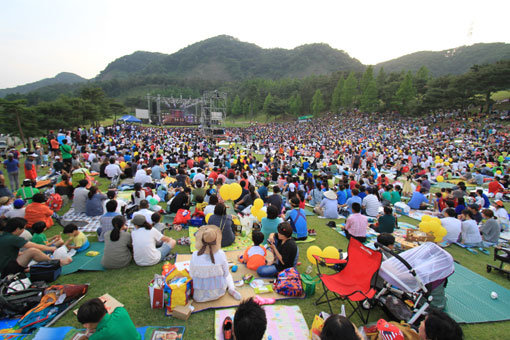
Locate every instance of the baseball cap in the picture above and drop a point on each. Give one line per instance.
(18, 203)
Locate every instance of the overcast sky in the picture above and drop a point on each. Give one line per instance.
(40, 38)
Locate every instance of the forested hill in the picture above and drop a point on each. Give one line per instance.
(61, 78)
(453, 61)
(224, 58)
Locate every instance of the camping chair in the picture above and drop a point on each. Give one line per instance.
(354, 282)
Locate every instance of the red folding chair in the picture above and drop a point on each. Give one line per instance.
(354, 282)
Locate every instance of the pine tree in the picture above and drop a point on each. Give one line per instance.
(336, 100)
(317, 103)
(349, 91)
(236, 106)
(267, 104)
(369, 100)
(366, 79)
(406, 92)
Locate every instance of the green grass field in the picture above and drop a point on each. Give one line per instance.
(129, 285)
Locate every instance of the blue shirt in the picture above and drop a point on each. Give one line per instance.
(156, 172)
(350, 201)
(12, 166)
(298, 222)
(341, 197)
(269, 226)
(416, 200)
(330, 208)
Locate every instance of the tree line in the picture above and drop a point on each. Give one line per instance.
(366, 91)
(90, 107)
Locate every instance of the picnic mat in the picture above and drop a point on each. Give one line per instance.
(240, 243)
(84, 262)
(246, 291)
(283, 322)
(146, 333)
(469, 298)
(85, 223)
(418, 214)
(308, 240)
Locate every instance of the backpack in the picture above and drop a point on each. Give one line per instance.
(289, 283)
(17, 302)
(183, 216)
(55, 202)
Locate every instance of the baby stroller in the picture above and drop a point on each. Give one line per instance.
(411, 279)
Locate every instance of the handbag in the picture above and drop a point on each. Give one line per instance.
(47, 271)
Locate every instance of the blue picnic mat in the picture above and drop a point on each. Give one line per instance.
(83, 262)
(469, 298)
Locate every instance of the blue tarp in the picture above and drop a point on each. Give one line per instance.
(130, 119)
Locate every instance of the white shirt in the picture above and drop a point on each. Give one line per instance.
(142, 177)
(144, 246)
(199, 176)
(15, 213)
(112, 170)
(453, 228)
(502, 216)
(371, 204)
(146, 213)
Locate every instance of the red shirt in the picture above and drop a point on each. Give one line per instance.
(352, 184)
(495, 187)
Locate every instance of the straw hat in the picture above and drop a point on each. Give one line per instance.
(4, 200)
(208, 239)
(330, 194)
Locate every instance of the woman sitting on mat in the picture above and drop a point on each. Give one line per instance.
(209, 267)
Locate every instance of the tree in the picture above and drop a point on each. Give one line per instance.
(317, 103)
(349, 91)
(366, 79)
(17, 119)
(336, 100)
(236, 106)
(406, 92)
(369, 100)
(421, 79)
(267, 104)
(295, 104)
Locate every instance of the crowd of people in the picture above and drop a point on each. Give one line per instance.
(358, 166)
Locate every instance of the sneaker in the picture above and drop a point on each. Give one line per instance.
(227, 328)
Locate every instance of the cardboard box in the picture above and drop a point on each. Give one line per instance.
(182, 312)
(110, 303)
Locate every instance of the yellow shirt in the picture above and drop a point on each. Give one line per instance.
(201, 206)
(79, 240)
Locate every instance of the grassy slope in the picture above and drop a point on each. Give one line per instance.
(129, 285)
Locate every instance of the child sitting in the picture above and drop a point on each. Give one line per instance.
(254, 256)
(77, 240)
(200, 203)
(156, 218)
(40, 238)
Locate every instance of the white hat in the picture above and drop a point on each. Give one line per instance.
(330, 194)
(33, 155)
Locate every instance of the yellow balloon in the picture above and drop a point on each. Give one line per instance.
(331, 252)
(447, 163)
(437, 157)
(426, 218)
(224, 192)
(258, 204)
(122, 165)
(471, 165)
(439, 179)
(260, 215)
(236, 191)
(235, 161)
(450, 159)
(207, 217)
(489, 165)
(426, 227)
(254, 211)
(311, 251)
(498, 172)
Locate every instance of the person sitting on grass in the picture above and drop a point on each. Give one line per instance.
(101, 325)
(156, 218)
(339, 327)
(39, 211)
(118, 245)
(40, 238)
(470, 234)
(200, 204)
(297, 220)
(12, 260)
(209, 267)
(269, 224)
(491, 229)
(356, 224)
(145, 237)
(105, 221)
(386, 223)
(285, 251)
(438, 325)
(254, 256)
(77, 240)
(419, 201)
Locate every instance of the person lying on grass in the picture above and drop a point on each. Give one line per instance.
(12, 259)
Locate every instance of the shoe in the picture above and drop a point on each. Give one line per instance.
(227, 328)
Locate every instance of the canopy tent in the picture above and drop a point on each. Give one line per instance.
(130, 119)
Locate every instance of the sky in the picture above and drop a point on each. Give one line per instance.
(41, 38)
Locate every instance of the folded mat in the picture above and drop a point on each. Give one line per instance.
(469, 298)
(308, 240)
(246, 291)
(283, 322)
(240, 243)
(83, 262)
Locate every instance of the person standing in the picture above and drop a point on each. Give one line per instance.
(12, 167)
(30, 171)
